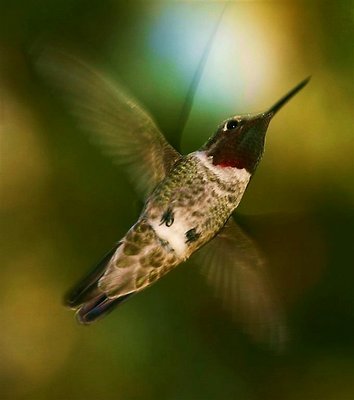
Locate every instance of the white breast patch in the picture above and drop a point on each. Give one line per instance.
(175, 234)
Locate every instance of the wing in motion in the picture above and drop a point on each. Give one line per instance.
(116, 122)
(235, 269)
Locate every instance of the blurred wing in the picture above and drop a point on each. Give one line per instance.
(117, 123)
(235, 269)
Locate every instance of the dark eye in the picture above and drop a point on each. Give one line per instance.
(232, 124)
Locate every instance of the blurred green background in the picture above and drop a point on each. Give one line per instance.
(63, 204)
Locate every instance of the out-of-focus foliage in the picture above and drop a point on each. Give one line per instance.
(63, 203)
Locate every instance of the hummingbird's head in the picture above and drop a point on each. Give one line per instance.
(239, 140)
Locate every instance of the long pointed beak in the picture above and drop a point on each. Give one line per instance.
(279, 104)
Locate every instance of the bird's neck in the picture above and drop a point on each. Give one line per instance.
(228, 173)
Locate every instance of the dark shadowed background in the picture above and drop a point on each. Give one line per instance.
(63, 203)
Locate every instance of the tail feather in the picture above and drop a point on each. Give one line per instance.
(87, 288)
(89, 300)
(98, 307)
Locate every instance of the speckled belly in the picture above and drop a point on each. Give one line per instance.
(191, 206)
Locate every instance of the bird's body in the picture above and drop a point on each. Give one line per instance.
(185, 211)
(188, 201)
(199, 197)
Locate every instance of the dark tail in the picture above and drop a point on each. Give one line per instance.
(88, 299)
(99, 306)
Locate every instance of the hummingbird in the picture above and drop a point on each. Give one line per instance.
(189, 200)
